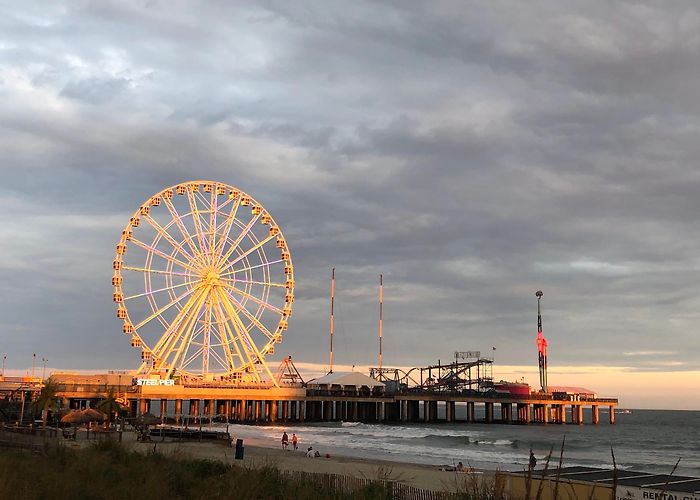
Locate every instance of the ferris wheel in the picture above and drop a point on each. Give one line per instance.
(203, 282)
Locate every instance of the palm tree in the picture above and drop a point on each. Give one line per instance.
(47, 400)
(109, 404)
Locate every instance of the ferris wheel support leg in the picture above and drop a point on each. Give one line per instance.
(232, 318)
(226, 335)
(164, 345)
(188, 328)
(242, 330)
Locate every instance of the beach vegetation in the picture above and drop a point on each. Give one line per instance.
(47, 400)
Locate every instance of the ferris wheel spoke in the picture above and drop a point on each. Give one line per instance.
(244, 331)
(172, 333)
(178, 246)
(183, 229)
(199, 232)
(243, 269)
(151, 292)
(212, 224)
(251, 317)
(206, 334)
(226, 335)
(155, 271)
(164, 308)
(247, 252)
(164, 255)
(217, 357)
(221, 333)
(263, 283)
(239, 328)
(189, 330)
(186, 361)
(253, 298)
(230, 218)
(237, 242)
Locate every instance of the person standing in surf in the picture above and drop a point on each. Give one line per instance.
(533, 461)
(285, 440)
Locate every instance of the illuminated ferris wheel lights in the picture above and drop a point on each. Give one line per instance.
(198, 257)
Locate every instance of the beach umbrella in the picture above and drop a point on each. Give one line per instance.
(83, 416)
(92, 415)
(73, 417)
(147, 419)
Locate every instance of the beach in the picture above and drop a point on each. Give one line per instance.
(259, 454)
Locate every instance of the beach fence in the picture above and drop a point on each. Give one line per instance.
(350, 484)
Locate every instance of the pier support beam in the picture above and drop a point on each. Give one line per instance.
(612, 414)
(595, 415)
(144, 406)
(471, 412)
(524, 412)
(178, 410)
(163, 410)
(273, 411)
(194, 409)
(506, 412)
(338, 411)
(450, 411)
(302, 411)
(488, 411)
(285, 411)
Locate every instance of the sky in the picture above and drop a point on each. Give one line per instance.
(471, 152)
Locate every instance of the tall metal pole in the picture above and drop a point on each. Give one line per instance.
(43, 370)
(541, 345)
(381, 313)
(33, 363)
(4, 357)
(332, 316)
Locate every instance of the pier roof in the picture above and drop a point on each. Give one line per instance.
(355, 379)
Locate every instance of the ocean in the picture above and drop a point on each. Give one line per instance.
(644, 440)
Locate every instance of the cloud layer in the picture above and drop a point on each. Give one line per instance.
(472, 153)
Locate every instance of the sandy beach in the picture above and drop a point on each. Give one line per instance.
(256, 454)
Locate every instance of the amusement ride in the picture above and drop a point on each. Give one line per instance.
(203, 283)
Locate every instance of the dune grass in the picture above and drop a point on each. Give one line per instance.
(108, 471)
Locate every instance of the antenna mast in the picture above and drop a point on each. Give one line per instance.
(541, 345)
(332, 317)
(381, 307)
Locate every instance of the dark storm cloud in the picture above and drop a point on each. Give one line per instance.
(473, 153)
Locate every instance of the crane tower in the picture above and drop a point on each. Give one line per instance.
(541, 345)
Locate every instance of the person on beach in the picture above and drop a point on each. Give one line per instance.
(533, 460)
(294, 441)
(285, 440)
(310, 452)
(460, 467)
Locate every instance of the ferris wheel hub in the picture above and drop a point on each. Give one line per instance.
(211, 278)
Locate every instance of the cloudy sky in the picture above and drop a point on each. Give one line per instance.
(472, 152)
